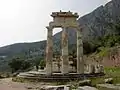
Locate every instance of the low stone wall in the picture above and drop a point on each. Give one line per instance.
(58, 77)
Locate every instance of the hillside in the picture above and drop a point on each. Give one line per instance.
(22, 47)
(98, 23)
(101, 21)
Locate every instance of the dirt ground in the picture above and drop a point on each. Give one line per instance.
(8, 84)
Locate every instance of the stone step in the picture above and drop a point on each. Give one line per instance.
(57, 77)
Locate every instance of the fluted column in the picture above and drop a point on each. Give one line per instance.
(65, 65)
(80, 61)
(49, 51)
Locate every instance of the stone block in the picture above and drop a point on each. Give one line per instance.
(85, 82)
(101, 69)
(91, 68)
(109, 80)
(97, 70)
(87, 88)
(108, 87)
(61, 87)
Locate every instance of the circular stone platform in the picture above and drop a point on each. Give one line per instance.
(41, 76)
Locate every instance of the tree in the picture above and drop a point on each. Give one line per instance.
(37, 62)
(15, 64)
(19, 64)
(117, 28)
(42, 64)
(25, 65)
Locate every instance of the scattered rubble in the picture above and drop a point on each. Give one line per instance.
(109, 80)
(85, 82)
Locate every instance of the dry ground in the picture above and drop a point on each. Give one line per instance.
(8, 84)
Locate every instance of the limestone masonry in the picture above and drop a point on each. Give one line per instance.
(64, 20)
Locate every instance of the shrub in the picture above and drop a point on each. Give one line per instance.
(18, 64)
(42, 64)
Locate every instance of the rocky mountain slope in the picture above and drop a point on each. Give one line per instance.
(101, 21)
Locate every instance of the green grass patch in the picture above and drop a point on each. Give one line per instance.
(103, 51)
(112, 72)
(97, 80)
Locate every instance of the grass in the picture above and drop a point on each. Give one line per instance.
(112, 72)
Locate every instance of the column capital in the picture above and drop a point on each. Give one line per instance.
(49, 27)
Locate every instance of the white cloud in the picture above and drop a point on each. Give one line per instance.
(23, 20)
(108, 0)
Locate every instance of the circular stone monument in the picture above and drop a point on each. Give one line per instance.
(62, 20)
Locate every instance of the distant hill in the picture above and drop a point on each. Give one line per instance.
(96, 24)
(21, 47)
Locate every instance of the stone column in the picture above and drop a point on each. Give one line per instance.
(49, 51)
(65, 61)
(80, 61)
(91, 68)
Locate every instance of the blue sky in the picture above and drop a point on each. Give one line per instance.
(25, 20)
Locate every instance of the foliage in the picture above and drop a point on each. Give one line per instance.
(42, 64)
(37, 61)
(106, 43)
(110, 40)
(18, 64)
(25, 65)
(113, 72)
(110, 72)
(15, 65)
(102, 51)
(117, 28)
(89, 47)
(101, 44)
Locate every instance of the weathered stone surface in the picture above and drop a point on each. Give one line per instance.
(49, 51)
(84, 82)
(87, 88)
(97, 69)
(91, 68)
(65, 61)
(62, 87)
(108, 87)
(80, 61)
(101, 69)
(109, 80)
(63, 20)
(70, 21)
(60, 21)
